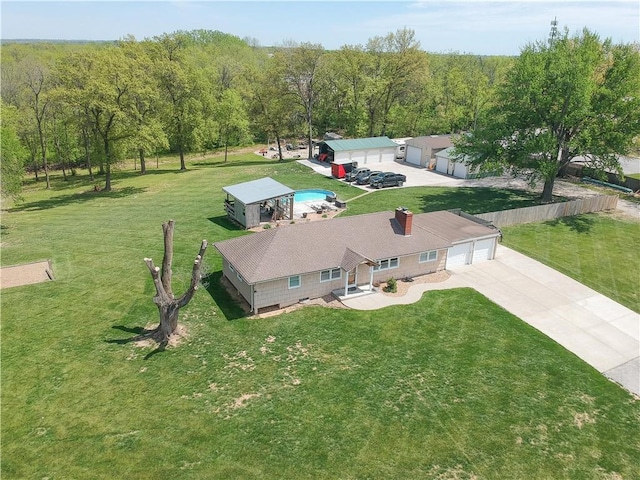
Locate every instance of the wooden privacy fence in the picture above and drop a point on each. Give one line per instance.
(540, 213)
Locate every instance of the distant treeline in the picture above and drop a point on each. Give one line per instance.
(97, 102)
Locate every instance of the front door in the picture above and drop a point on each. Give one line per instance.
(352, 279)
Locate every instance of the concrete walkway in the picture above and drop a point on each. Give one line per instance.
(600, 331)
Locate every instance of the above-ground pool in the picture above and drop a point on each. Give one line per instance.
(312, 195)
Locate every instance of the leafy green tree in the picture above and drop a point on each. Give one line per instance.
(183, 92)
(148, 134)
(571, 96)
(302, 68)
(231, 118)
(269, 101)
(342, 105)
(396, 66)
(37, 84)
(12, 154)
(103, 84)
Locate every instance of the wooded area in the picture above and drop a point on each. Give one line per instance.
(91, 105)
(94, 104)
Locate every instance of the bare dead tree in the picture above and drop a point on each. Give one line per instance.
(168, 305)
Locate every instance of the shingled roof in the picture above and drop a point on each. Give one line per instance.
(316, 246)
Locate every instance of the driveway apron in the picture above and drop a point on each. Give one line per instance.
(600, 331)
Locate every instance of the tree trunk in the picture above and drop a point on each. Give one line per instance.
(87, 151)
(547, 190)
(168, 305)
(143, 166)
(107, 161)
(279, 147)
(107, 182)
(182, 164)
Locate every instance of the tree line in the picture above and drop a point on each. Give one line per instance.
(96, 104)
(68, 104)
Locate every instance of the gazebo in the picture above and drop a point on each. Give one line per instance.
(248, 203)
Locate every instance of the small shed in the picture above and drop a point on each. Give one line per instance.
(421, 151)
(358, 151)
(265, 199)
(447, 164)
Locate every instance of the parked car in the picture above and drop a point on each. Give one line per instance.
(388, 179)
(363, 178)
(351, 176)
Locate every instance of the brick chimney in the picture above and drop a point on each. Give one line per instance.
(405, 219)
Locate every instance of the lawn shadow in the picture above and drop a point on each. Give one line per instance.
(230, 307)
(481, 200)
(577, 223)
(141, 334)
(64, 200)
(225, 222)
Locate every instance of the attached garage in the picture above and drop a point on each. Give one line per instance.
(476, 251)
(364, 151)
(483, 250)
(458, 255)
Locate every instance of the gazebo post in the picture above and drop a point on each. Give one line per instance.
(290, 207)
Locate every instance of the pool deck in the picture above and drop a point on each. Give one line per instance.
(302, 208)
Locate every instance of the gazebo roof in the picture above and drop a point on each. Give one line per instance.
(257, 191)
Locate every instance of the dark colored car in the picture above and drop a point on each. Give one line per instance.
(387, 179)
(363, 178)
(351, 176)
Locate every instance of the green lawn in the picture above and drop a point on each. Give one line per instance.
(432, 199)
(597, 250)
(450, 387)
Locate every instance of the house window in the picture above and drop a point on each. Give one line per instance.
(294, 281)
(328, 275)
(428, 256)
(231, 268)
(387, 264)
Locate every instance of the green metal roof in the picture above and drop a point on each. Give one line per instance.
(360, 144)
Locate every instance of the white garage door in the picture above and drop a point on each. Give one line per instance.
(414, 154)
(460, 170)
(483, 250)
(358, 157)
(388, 156)
(458, 255)
(373, 156)
(442, 164)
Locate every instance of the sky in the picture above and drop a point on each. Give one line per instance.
(485, 28)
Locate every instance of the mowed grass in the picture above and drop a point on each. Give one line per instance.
(596, 249)
(450, 387)
(432, 199)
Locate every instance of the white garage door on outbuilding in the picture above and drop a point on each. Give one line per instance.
(413, 155)
(361, 150)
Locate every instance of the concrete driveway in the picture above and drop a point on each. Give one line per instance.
(600, 331)
(416, 176)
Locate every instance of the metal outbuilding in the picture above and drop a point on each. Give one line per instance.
(361, 151)
(247, 202)
(421, 151)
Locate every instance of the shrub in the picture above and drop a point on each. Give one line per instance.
(266, 226)
(392, 286)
